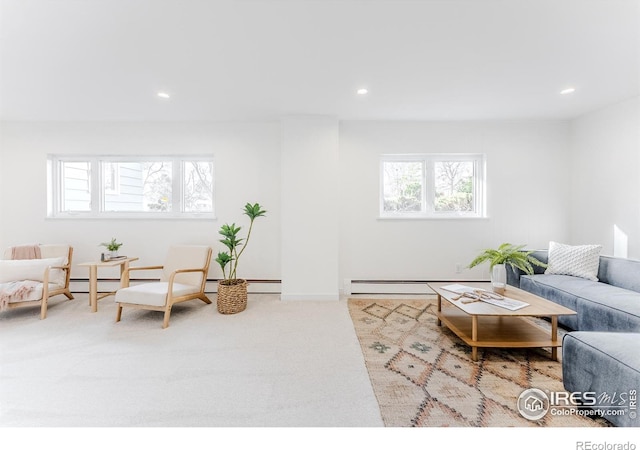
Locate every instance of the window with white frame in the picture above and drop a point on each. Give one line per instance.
(111, 177)
(118, 186)
(432, 186)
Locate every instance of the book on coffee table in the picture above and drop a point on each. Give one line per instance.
(115, 258)
(505, 302)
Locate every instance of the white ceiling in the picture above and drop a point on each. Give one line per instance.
(262, 59)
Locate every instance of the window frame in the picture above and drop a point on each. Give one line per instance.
(427, 210)
(115, 189)
(97, 194)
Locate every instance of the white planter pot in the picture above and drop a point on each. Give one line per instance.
(499, 278)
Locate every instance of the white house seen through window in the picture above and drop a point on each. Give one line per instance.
(131, 187)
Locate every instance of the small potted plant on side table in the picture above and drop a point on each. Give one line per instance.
(112, 246)
(232, 291)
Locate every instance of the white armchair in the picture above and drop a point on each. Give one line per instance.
(183, 278)
(33, 281)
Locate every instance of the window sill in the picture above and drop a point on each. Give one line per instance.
(116, 216)
(432, 218)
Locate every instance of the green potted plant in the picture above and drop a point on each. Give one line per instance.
(112, 246)
(232, 291)
(506, 254)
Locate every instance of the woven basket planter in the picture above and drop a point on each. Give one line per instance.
(232, 298)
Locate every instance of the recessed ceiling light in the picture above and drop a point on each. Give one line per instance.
(569, 90)
(163, 95)
(362, 91)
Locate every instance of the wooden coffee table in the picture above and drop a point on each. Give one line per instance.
(481, 324)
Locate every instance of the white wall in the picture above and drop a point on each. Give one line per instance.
(3, 216)
(338, 169)
(527, 196)
(605, 190)
(247, 158)
(310, 236)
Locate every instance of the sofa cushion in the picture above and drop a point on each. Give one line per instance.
(152, 294)
(608, 308)
(600, 307)
(558, 289)
(607, 364)
(31, 269)
(576, 260)
(185, 257)
(621, 272)
(57, 276)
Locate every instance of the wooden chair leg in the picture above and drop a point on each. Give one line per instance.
(68, 294)
(118, 312)
(43, 309)
(204, 298)
(167, 313)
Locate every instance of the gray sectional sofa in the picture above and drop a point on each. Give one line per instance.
(610, 304)
(601, 352)
(607, 364)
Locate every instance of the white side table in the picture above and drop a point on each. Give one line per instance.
(93, 277)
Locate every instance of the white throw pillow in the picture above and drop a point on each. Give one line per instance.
(31, 269)
(576, 260)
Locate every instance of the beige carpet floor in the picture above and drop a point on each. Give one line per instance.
(291, 374)
(277, 364)
(423, 375)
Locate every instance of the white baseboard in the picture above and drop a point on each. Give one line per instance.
(400, 287)
(349, 287)
(80, 285)
(310, 297)
(388, 287)
(253, 287)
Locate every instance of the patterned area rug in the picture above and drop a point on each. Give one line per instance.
(423, 375)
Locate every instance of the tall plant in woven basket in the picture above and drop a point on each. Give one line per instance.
(232, 291)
